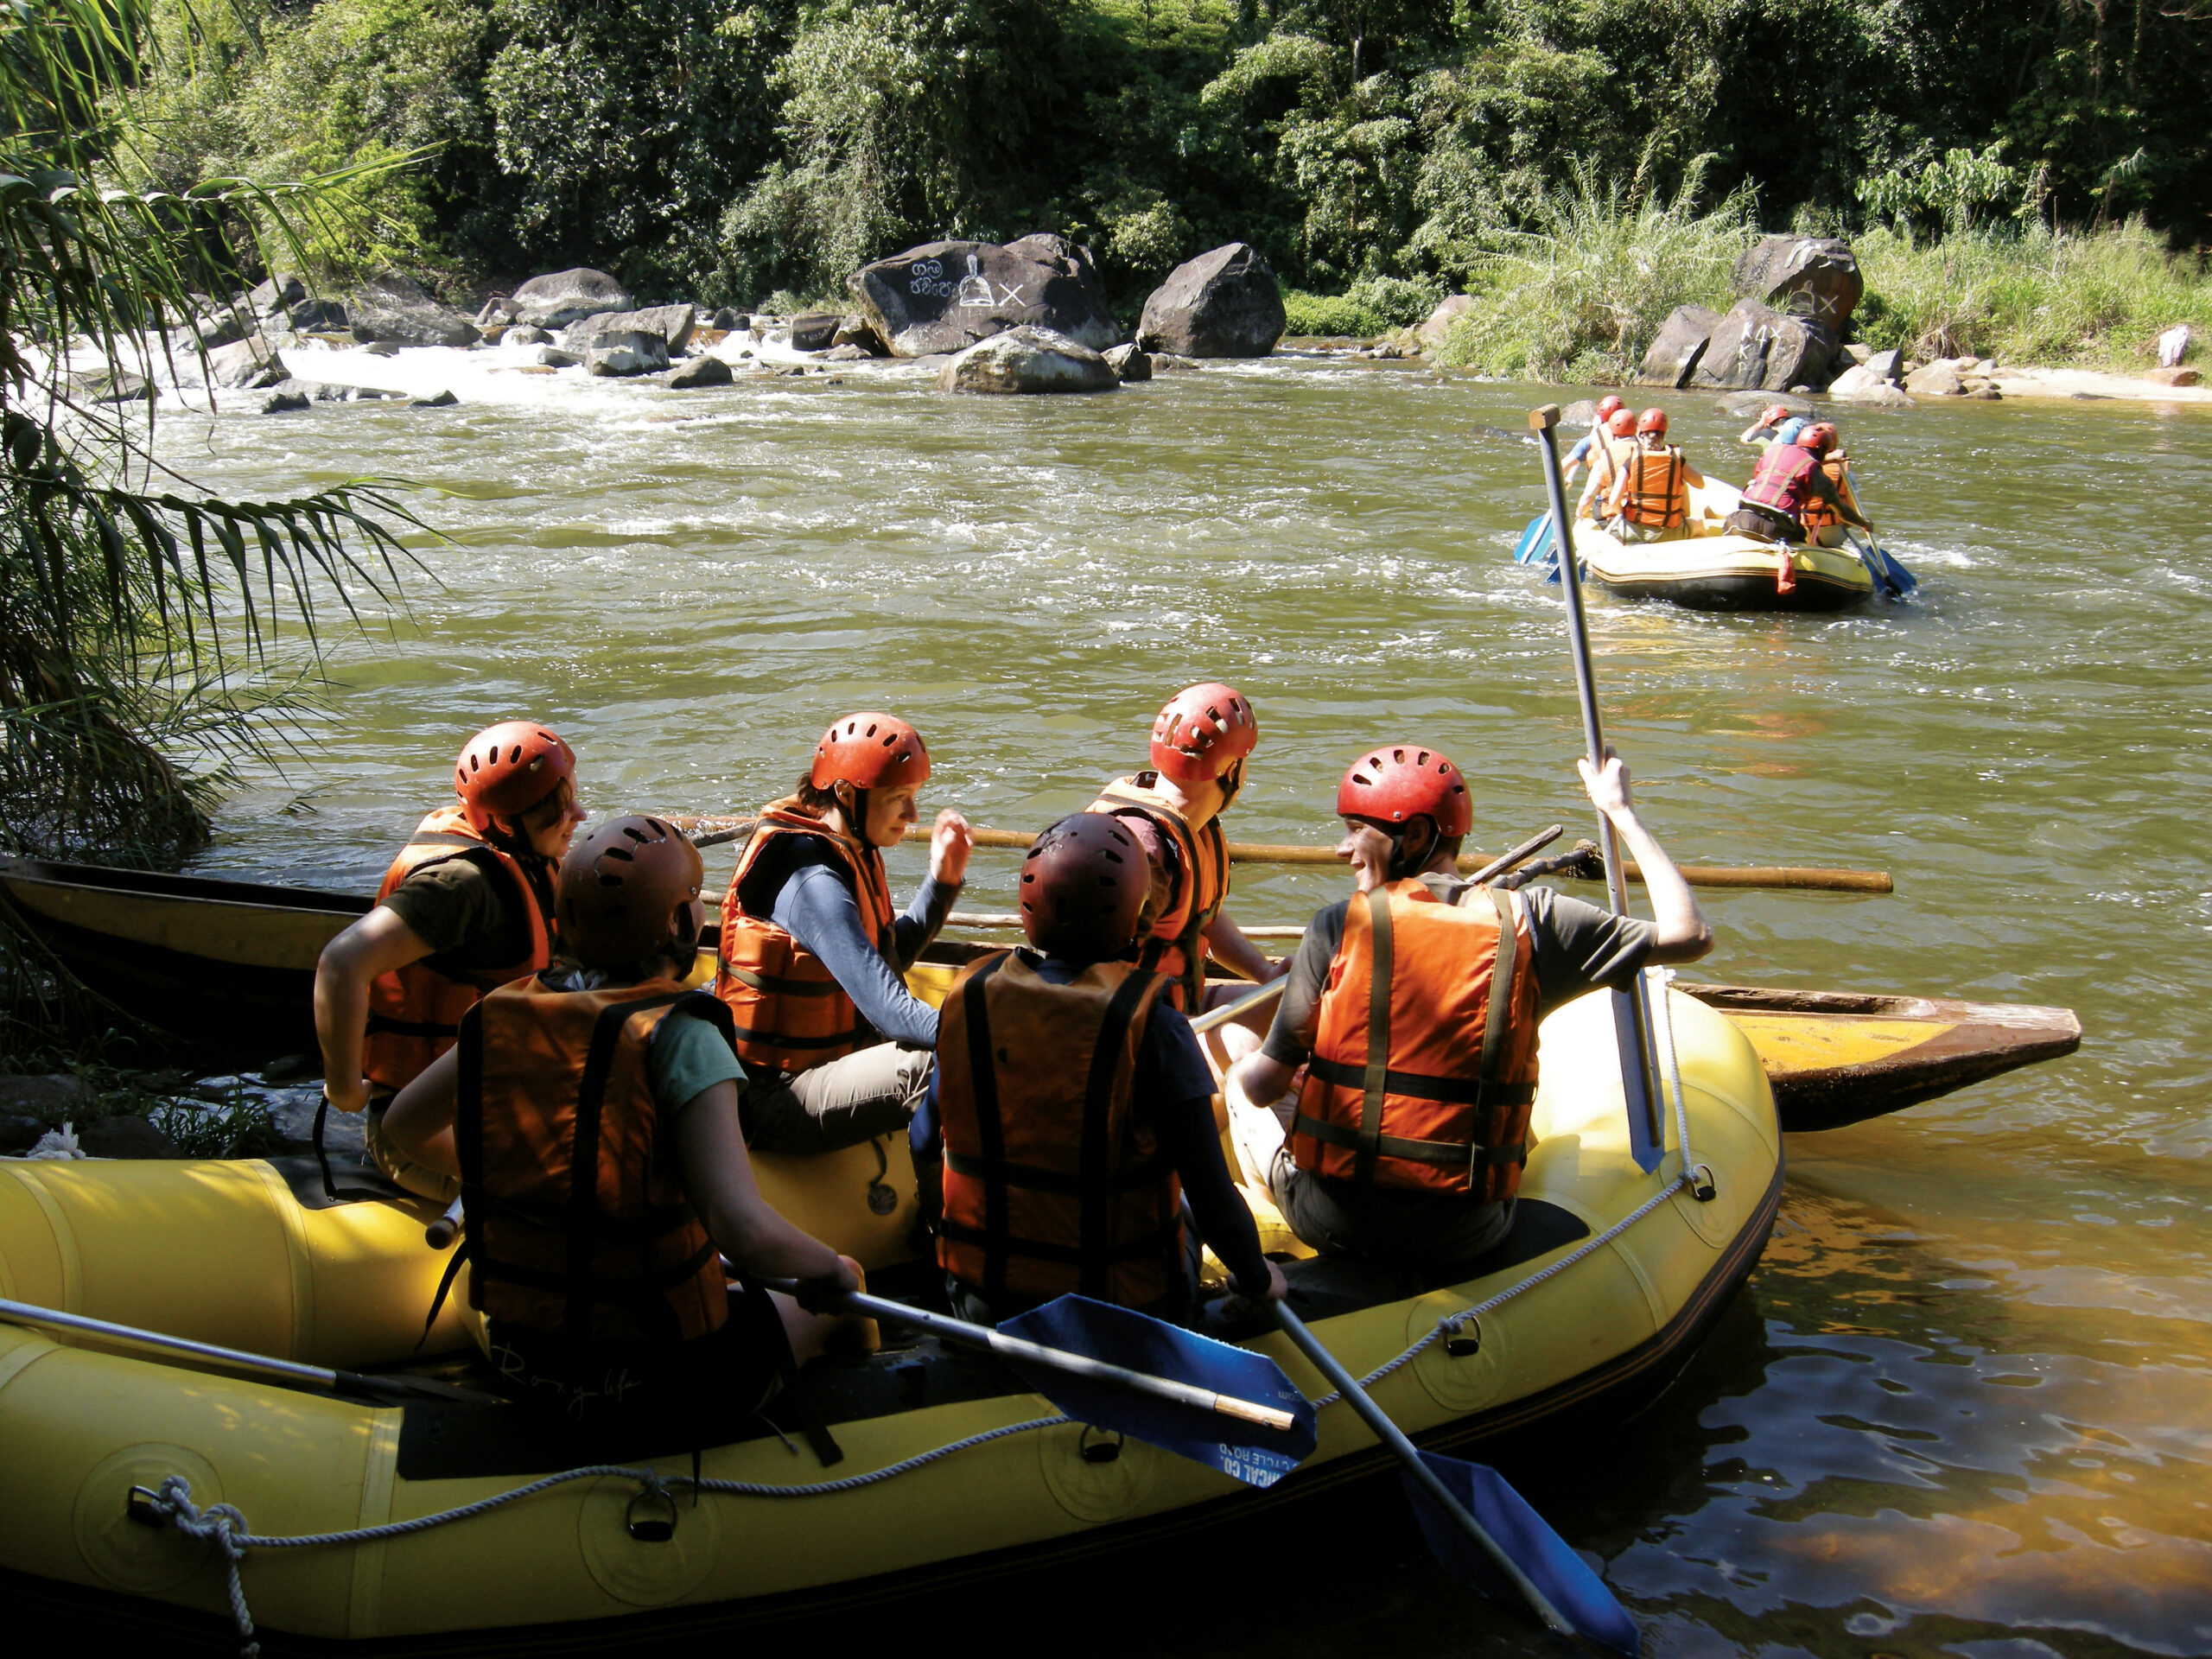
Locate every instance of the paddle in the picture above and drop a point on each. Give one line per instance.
(1130, 1373)
(1515, 1548)
(397, 1390)
(1535, 542)
(1631, 1009)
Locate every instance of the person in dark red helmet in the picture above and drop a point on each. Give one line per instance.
(468, 905)
(813, 955)
(1200, 741)
(607, 1050)
(1074, 1108)
(1788, 478)
(1416, 1167)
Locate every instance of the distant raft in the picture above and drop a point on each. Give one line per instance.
(1710, 571)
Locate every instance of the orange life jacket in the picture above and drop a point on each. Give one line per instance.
(1817, 515)
(790, 1013)
(414, 1011)
(1051, 1183)
(1780, 482)
(1658, 494)
(1177, 947)
(1424, 1065)
(573, 1211)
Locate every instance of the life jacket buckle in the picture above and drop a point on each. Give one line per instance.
(657, 1525)
(1102, 1451)
(1465, 1341)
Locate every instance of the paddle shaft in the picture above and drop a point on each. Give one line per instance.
(1393, 1436)
(1057, 1359)
(233, 1358)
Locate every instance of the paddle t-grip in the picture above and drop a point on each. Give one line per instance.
(1247, 1411)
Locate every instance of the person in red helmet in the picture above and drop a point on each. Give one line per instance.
(1200, 740)
(1417, 1167)
(604, 1050)
(1650, 499)
(1593, 439)
(1606, 460)
(1823, 521)
(813, 955)
(1076, 1108)
(1768, 428)
(467, 906)
(1788, 479)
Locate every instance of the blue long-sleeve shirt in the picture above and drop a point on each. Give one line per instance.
(815, 906)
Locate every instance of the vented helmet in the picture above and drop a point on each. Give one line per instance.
(504, 769)
(1403, 782)
(620, 891)
(1202, 732)
(1082, 884)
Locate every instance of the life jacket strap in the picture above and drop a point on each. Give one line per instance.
(1471, 1153)
(1134, 1179)
(1453, 1091)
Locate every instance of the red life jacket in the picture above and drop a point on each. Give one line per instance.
(1820, 515)
(1177, 947)
(1781, 480)
(1658, 494)
(414, 1011)
(573, 1209)
(790, 1013)
(1052, 1184)
(1424, 1065)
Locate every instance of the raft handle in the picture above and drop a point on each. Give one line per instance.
(141, 1507)
(655, 1527)
(1702, 1187)
(1102, 1451)
(1466, 1342)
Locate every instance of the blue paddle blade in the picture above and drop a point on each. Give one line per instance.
(1564, 1577)
(1902, 579)
(1254, 1454)
(1535, 541)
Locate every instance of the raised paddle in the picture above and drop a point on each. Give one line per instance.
(1517, 1546)
(1631, 1009)
(1130, 1373)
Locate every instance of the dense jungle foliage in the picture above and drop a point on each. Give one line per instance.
(721, 151)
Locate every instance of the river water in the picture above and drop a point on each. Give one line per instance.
(1963, 1408)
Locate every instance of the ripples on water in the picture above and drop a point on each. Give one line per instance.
(1963, 1408)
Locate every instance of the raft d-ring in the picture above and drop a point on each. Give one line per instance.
(143, 1506)
(1465, 1341)
(657, 1525)
(1701, 1184)
(1102, 1451)
(881, 1199)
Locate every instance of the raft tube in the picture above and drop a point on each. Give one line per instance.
(1708, 570)
(249, 1254)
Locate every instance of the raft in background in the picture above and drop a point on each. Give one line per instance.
(1709, 571)
(234, 962)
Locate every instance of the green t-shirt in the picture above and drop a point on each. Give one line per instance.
(467, 909)
(689, 1054)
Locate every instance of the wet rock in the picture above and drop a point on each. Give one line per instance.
(287, 397)
(1861, 385)
(109, 387)
(213, 329)
(277, 293)
(1027, 360)
(318, 317)
(673, 325)
(1937, 380)
(944, 297)
(395, 309)
(292, 1068)
(729, 321)
(523, 333)
(701, 372)
(846, 352)
(381, 348)
(1746, 409)
(436, 400)
(48, 1098)
(2173, 377)
(1430, 334)
(1754, 347)
(1679, 344)
(561, 297)
(1169, 363)
(553, 357)
(498, 312)
(620, 355)
(1815, 278)
(1130, 362)
(1225, 303)
(244, 364)
(124, 1137)
(815, 331)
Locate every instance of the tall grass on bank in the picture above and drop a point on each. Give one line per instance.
(1578, 294)
(2093, 300)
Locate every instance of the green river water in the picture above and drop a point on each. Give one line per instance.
(1963, 1406)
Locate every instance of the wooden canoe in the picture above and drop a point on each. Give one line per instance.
(233, 964)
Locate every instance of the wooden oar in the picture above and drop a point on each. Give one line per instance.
(712, 831)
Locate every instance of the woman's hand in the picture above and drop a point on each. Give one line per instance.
(950, 842)
(1608, 786)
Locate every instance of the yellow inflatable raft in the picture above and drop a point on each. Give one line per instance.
(1710, 571)
(1610, 1279)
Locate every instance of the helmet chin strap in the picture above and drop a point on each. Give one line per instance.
(1229, 783)
(1400, 868)
(856, 814)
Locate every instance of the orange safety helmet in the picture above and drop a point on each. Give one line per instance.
(1652, 420)
(1405, 781)
(1083, 883)
(1820, 438)
(1605, 408)
(1203, 733)
(505, 769)
(626, 892)
(1774, 414)
(1622, 423)
(869, 751)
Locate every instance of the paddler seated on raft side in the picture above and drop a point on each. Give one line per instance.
(467, 906)
(813, 955)
(636, 1325)
(1823, 523)
(1787, 480)
(1422, 1176)
(1076, 1108)
(1199, 743)
(1594, 438)
(1606, 458)
(1776, 425)
(1650, 500)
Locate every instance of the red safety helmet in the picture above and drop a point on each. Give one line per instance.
(1820, 438)
(1622, 423)
(1404, 782)
(626, 892)
(1083, 883)
(1652, 420)
(1203, 731)
(504, 769)
(1606, 406)
(869, 751)
(1774, 414)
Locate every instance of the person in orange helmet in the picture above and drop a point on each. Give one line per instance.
(1606, 460)
(467, 906)
(1650, 497)
(1594, 438)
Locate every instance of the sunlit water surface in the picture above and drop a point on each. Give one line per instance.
(1963, 1408)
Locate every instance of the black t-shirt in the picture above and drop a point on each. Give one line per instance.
(467, 909)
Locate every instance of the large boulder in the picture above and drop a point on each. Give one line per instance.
(944, 297)
(561, 297)
(1754, 348)
(1812, 276)
(277, 293)
(1680, 343)
(394, 310)
(701, 370)
(620, 354)
(242, 363)
(1029, 359)
(1225, 303)
(815, 331)
(1129, 362)
(675, 324)
(1449, 310)
(314, 316)
(1861, 384)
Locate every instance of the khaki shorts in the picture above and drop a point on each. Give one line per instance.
(418, 1179)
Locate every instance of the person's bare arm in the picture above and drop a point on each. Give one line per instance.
(1264, 1078)
(1238, 954)
(1682, 933)
(420, 1121)
(376, 944)
(717, 1175)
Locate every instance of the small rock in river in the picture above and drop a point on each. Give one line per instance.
(436, 400)
(701, 372)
